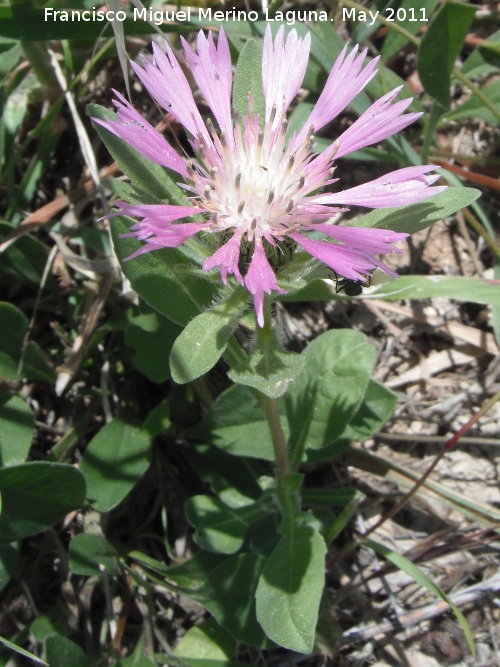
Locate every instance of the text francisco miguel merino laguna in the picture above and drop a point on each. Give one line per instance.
(159, 16)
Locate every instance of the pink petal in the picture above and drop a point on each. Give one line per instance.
(364, 238)
(165, 81)
(141, 135)
(349, 263)
(398, 188)
(345, 81)
(379, 121)
(168, 237)
(226, 257)
(159, 213)
(211, 68)
(260, 279)
(284, 65)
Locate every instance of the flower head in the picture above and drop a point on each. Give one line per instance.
(255, 188)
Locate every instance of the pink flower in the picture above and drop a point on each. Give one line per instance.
(254, 188)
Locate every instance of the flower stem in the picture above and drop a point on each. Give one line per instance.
(270, 407)
(286, 493)
(436, 112)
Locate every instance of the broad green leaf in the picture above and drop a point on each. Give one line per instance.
(236, 423)
(414, 218)
(409, 16)
(220, 528)
(421, 578)
(332, 386)
(10, 55)
(89, 554)
(142, 172)
(35, 367)
(114, 461)
(138, 657)
(475, 290)
(269, 370)
(152, 337)
(158, 419)
(229, 594)
(37, 495)
(202, 343)
(206, 641)
(26, 258)
(132, 194)
(224, 472)
(16, 430)
(439, 47)
(474, 108)
(263, 536)
(61, 652)
(9, 557)
(290, 589)
(48, 625)
(485, 59)
(225, 585)
(377, 406)
(155, 276)
(247, 84)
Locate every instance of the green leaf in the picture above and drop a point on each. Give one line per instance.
(290, 589)
(156, 277)
(269, 370)
(54, 622)
(9, 558)
(114, 461)
(202, 343)
(485, 59)
(142, 172)
(225, 585)
(224, 472)
(175, 661)
(16, 430)
(414, 218)
(206, 641)
(158, 419)
(21, 651)
(35, 367)
(236, 423)
(229, 594)
(377, 406)
(61, 652)
(474, 108)
(394, 40)
(26, 258)
(417, 575)
(338, 367)
(248, 82)
(220, 528)
(138, 657)
(89, 553)
(152, 337)
(440, 46)
(37, 495)
(475, 290)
